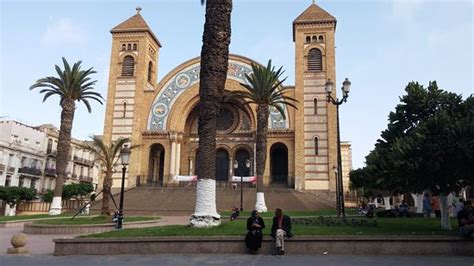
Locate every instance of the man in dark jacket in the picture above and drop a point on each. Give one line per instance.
(281, 227)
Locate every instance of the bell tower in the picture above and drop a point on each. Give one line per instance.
(315, 119)
(132, 77)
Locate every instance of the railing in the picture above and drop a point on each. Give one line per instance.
(51, 153)
(82, 161)
(142, 181)
(39, 207)
(74, 176)
(10, 169)
(30, 170)
(2, 167)
(85, 179)
(50, 171)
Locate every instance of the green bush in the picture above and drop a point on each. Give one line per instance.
(14, 195)
(70, 191)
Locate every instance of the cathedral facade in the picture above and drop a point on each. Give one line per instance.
(160, 118)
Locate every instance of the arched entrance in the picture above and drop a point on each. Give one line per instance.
(222, 165)
(279, 163)
(156, 164)
(242, 156)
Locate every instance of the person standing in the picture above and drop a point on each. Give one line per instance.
(466, 220)
(435, 206)
(427, 205)
(253, 240)
(281, 227)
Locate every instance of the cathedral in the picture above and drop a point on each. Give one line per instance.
(160, 118)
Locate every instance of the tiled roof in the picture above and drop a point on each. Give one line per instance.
(135, 24)
(314, 14)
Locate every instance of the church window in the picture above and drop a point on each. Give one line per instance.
(134, 47)
(129, 46)
(128, 66)
(308, 39)
(124, 47)
(150, 71)
(124, 108)
(225, 119)
(316, 146)
(321, 38)
(315, 60)
(315, 106)
(315, 39)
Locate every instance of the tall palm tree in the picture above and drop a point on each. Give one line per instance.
(72, 84)
(214, 64)
(264, 89)
(107, 155)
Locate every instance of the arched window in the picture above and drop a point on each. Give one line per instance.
(134, 47)
(129, 47)
(315, 39)
(150, 71)
(308, 39)
(315, 60)
(321, 38)
(124, 47)
(315, 106)
(316, 146)
(128, 66)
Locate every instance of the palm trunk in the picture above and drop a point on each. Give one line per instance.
(62, 158)
(213, 74)
(106, 191)
(261, 154)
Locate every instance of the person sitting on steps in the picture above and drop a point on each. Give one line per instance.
(281, 227)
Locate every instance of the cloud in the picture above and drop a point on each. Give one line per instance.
(63, 31)
(406, 9)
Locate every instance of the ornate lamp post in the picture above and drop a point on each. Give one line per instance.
(124, 157)
(236, 166)
(346, 86)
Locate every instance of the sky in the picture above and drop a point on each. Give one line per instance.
(381, 45)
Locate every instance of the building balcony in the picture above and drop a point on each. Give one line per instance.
(10, 169)
(74, 176)
(86, 179)
(83, 161)
(2, 167)
(51, 153)
(30, 171)
(49, 171)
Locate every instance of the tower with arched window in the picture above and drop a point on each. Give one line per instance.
(132, 79)
(315, 124)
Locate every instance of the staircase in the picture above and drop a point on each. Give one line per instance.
(181, 201)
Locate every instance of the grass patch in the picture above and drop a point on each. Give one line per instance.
(385, 226)
(101, 219)
(30, 217)
(270, 214)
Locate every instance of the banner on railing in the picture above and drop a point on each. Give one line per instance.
(185, 178)
(245, 179)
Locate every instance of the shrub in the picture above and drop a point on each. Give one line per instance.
(14, 195)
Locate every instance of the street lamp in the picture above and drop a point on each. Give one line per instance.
(236, 166)
(124, 157)
(346, 86)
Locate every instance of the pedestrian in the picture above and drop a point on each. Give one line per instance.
(281, 227)
(253, 240)
(427, 205)
(435, 205)
(466, 220)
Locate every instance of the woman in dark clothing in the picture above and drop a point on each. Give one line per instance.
(253, 240)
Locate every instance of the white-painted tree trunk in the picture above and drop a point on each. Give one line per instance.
(386, 201)
(56, 206)
(419, 200)
(415, 199)
(376, 202)
(10, 210)
(445, 221)
(260, 206)
(205, 214)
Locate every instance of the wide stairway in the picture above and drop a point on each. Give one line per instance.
(181, 201)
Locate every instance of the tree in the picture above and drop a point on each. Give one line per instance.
(213, 74)
(264, 89)
(71, 191)
(428, 145)
(14, 195)
(107, 155)
(72, 84)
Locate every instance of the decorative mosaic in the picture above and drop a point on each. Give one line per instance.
(188, 77)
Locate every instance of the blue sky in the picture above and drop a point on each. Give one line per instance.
(381, 46)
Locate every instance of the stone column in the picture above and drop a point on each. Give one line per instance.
(177, 167)
(173, 155)
(231, 168)
(190, 160)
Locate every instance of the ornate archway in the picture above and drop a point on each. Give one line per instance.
(156, 164)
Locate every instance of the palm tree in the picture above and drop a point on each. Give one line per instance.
(72, 84)
(213, 74)
(107, 156)
(264, 90)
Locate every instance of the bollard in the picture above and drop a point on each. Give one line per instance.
(18, 242)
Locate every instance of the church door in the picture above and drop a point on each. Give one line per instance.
(279, 163)
(156, 165)
(222, 165)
